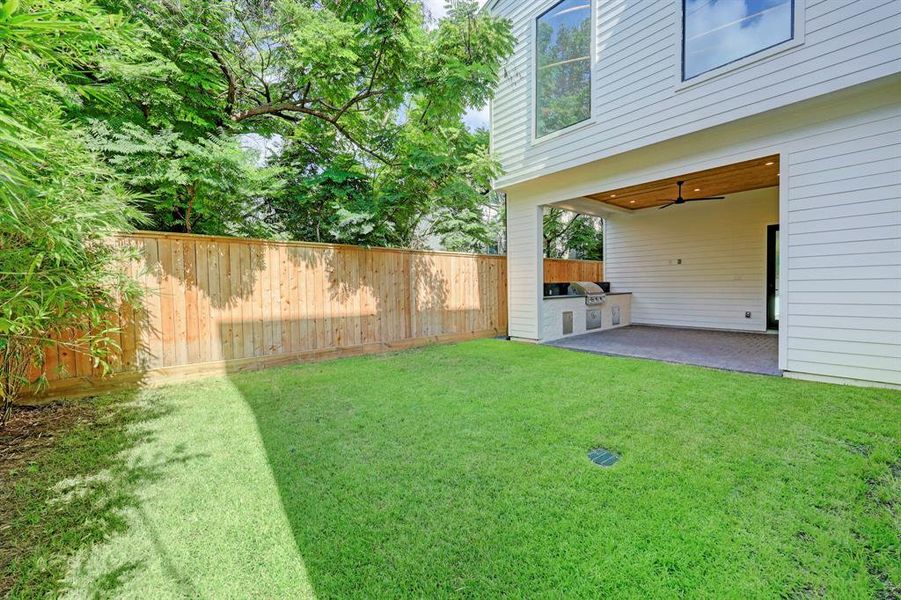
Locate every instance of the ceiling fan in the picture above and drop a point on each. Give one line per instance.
(680, 200)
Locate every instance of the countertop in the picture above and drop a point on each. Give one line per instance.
(583, 295)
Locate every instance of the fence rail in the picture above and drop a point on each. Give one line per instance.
(216, 304)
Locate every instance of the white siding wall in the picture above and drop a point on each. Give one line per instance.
(722, 246)
(844, 252)
(525, 275)
(637, 95)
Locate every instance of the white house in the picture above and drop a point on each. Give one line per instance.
(790, 109)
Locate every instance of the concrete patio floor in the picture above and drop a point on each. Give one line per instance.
(728, 350)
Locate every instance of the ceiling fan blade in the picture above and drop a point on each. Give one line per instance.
(705, 198)
(666, 205)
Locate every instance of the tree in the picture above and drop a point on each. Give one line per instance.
(159, 120)
(438, 187)
(208, 186)
(324, 184)
(440, 184)
(58, 202)
(421, 174)
(267, 63)
(570, 235)
(369, 99)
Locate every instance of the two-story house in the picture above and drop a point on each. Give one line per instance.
(788, 109)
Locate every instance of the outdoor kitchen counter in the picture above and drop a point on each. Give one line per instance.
(583, 295)
(614, 312)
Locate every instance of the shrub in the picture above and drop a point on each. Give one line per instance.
(60, 275)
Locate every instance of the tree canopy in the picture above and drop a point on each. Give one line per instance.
(367, 96)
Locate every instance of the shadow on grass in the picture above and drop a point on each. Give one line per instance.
(62, 497)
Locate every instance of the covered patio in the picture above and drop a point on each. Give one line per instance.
(691, 270)
(726, 350)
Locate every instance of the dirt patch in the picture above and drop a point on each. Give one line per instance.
(28, 435)
(31, 430)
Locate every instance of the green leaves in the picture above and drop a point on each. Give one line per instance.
(318, 48)
(568, 235)
(382, 93)
(59, 204)
(437, 186)
(209, 185)
(9, 8)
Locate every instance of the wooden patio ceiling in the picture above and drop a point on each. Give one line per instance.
(730, 179)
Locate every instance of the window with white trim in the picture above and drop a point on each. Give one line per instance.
(563, 66)
(719, 32)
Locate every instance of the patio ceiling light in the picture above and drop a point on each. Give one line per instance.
(769, 164)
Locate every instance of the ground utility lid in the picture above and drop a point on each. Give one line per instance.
(602, 457)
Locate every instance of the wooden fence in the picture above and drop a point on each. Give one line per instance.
(557, 270)
(216, 304)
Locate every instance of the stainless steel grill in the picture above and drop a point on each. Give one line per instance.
(594, 294)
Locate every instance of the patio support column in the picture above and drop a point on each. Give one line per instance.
(524, 267)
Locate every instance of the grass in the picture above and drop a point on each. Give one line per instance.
(63, 486)
(462, 471)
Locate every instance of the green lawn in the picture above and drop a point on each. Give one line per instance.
(462, 471)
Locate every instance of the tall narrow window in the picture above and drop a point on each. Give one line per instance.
(563, 78)
(718, 32)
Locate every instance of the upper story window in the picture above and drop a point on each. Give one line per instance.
(563, 64)
(718, 32)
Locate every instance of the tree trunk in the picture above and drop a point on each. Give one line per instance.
(15, 358)
(192, 194)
